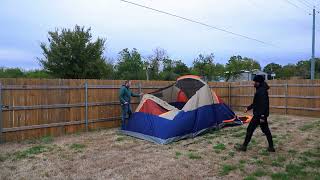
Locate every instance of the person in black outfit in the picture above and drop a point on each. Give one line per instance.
(260, 108)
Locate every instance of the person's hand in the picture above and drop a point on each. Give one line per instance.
(141, 94)
(246, 110)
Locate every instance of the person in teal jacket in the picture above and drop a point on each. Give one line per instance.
(125, 99)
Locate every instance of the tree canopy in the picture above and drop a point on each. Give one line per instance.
(71, 53)
(130, 65)
(237, 64)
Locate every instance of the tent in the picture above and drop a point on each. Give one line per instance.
(184, 109)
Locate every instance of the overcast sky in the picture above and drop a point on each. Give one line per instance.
(24, 24)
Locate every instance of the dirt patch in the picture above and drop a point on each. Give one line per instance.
(106, 154)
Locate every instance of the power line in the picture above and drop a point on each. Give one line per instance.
(306, 3)
(198, 22)
(298, 7)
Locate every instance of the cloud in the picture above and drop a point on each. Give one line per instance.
(125, 25)
(11, 57)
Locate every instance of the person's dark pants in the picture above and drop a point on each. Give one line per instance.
(126, 113)
(264, 127)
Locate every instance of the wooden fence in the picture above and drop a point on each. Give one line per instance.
(33, 108)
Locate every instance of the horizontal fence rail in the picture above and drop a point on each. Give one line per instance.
(35, 108)
(68, 123)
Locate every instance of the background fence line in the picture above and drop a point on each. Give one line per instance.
(32, 108)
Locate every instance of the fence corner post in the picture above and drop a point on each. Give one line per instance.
(286, 97)
(86, 104)
(1, 117)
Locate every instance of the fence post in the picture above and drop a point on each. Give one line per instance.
(1, 120)
(286, 96)
(229, 94)
(139, 86)
(86, 104)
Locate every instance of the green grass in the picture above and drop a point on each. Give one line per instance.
(250, 178)
(192, 155)
(259, 162)
(311, 163)
(226, 169)
(224, 158)
(47, 139)
(293, 152)
(178, 154)
(312, 153)
(30, 152)
(295, 171)
(264, 152)
(259, 173)
(231, 153)
(279, 161)
(307, 127)
(276, 164)
(241, 166)
(77, 147)
(121, 138)
(239, 134)
(219, 146)
(241, 161)
(3, 157)
(254, 142)
(280, 176)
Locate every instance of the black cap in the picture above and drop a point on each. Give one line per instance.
(258, 78)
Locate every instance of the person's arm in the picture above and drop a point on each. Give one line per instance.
(251, 105)
(135, 95)
(122, 92)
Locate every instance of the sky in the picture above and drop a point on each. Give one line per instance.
(25, 24)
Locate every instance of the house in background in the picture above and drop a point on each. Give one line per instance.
(248, 75)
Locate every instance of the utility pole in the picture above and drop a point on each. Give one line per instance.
(313, 44)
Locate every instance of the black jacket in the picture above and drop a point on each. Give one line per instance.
(260, 103)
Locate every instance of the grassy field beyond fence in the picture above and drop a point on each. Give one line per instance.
(33, 108)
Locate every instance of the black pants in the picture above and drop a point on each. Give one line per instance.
(264, 127)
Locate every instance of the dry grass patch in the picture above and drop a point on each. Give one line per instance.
(106, 154)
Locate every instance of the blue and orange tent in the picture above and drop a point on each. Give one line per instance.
(184, 109)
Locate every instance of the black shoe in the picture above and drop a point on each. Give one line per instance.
(241, 148)
(271, 149)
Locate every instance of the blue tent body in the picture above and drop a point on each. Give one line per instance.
(184, 125)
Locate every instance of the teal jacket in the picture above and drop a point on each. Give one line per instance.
(126, 94)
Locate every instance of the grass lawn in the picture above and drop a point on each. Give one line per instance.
(106, 154)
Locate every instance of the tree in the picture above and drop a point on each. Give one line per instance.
(218, 71)
(302, 69)
(37, 74)
(317, 68)
(273, 68)
(11, 73)
(236, 65)
(130, 65)
(172, 69)
(180, 68)
(154, 61)
(167, 72)
(288, 71)
(203, 66)
(73, 54)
